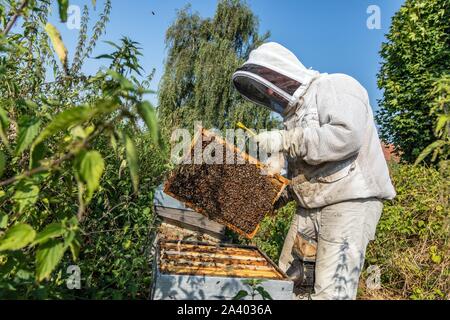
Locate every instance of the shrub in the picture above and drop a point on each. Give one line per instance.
(412, 244)
(273, 230)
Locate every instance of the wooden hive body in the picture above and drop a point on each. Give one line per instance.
(189, 270)
(182, 223)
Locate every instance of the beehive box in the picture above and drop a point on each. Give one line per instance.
(182, 223)
(236, 195)
(192, 271)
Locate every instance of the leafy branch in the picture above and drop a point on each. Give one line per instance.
(17, 14)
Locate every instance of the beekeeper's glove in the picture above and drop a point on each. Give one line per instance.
(275, 163)
(289, 141)
(270, 141)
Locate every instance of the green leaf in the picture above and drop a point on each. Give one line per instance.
(26, 195)
(37, 155)
(4, 120)
(90, 169)
(28, 130)
(48, 256)
(75, 116)
(3, 220)
(105, 106)
(4, 124)
(57, 42)
(105, 56)
(264, 294)
(124, 82)
(148, 114)
(436, 259)
(240, 295)
(132, 160)
(63, 6)
(441, 123)
(428, 150)
(63, 121)
(51, 231)
(75, 246)
(17, 237)
(2, 162)
(113, 141)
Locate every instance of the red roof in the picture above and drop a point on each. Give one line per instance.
(389, 152)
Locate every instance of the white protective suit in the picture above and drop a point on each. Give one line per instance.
(335, 162)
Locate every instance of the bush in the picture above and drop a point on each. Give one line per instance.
(412, 242)
(412, 245)
(273, 230)
(116, 259)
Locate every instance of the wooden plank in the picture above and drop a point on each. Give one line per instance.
(190, 218)
(239, 265)
(210, 256)
(180, 247)
(200, 250)
(214, 260)
(229, 272)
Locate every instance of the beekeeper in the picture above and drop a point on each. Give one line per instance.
(335, 162)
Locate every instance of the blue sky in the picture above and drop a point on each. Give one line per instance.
(329, 35)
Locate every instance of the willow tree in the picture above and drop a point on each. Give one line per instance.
(202, 56)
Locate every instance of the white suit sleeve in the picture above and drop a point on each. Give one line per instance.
(343, 119)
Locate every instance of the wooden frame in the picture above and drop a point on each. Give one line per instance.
(215, 284)
(276, 179)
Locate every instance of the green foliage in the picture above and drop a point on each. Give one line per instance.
(132, 159)
(25, 196)
(90, 166)
(440, 149)
(29, 129)
(273, 230)
(48, 257)
(148, 114)
(415, 55)
(255, 288)
(202, 56)
(17, 237)
(116, 255)
(63, 7)
(412, 241)
(2, 162)
(57, 191)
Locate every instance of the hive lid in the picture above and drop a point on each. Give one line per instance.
(213, 189)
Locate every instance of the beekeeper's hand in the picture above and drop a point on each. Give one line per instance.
(289, 141)
(270, 141)
(275, 163)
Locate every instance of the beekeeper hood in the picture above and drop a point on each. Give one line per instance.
(273, 77)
